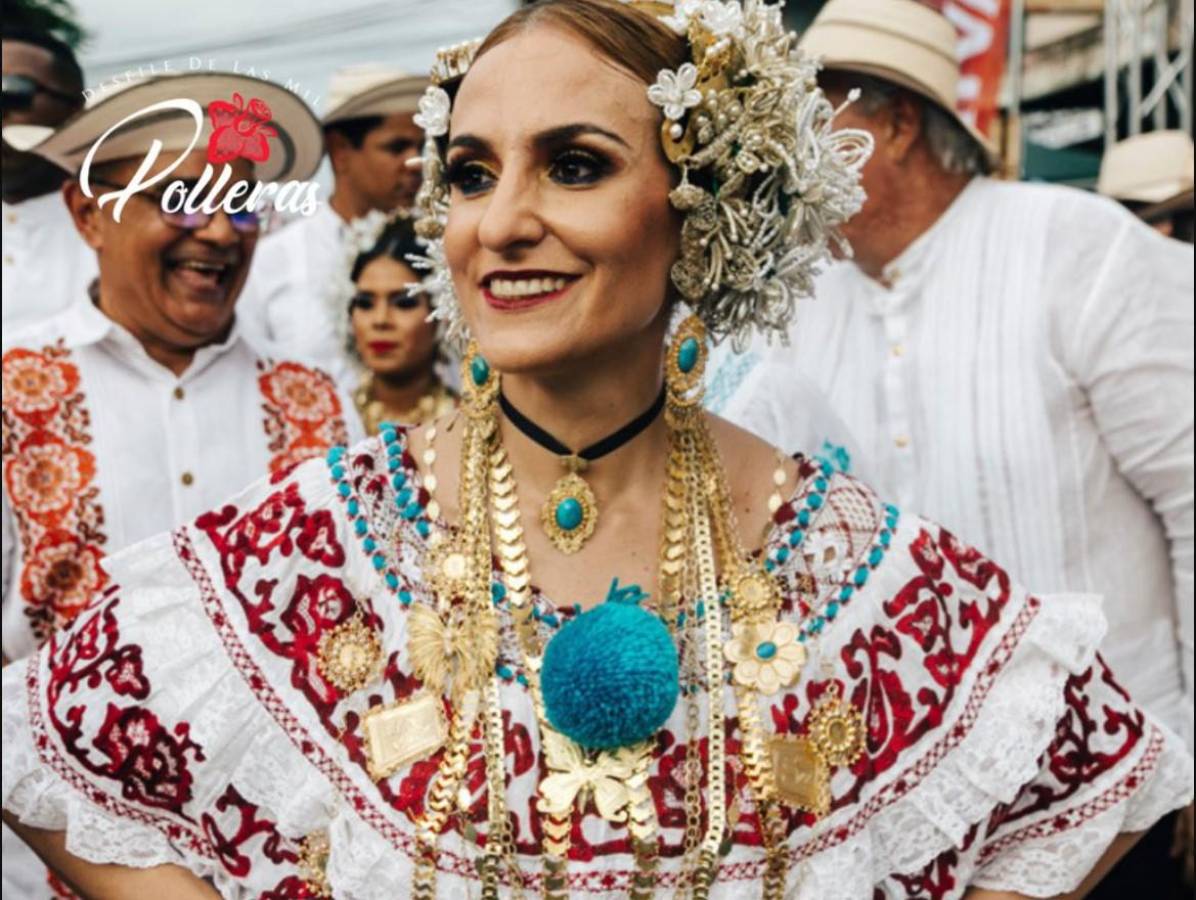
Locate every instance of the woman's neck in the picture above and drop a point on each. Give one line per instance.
(581, 408)
(401, 391)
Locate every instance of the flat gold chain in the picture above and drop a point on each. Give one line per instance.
(699, 539)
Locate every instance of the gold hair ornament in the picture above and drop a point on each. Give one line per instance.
(766, 180)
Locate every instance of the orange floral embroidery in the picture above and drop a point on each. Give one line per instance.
(49, 475)
(304, 416)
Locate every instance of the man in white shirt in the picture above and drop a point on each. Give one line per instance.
(371, 136)
(134, 410)
(46, 265)
(1015, 359)
(127, 414)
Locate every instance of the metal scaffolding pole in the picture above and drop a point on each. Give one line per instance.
(1017, 52)
(1112, 39)
(1136, 31)
(1134, 86)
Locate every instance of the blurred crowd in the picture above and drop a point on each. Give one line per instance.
(1030, 340)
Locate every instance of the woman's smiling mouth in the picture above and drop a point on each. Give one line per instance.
(509, 291)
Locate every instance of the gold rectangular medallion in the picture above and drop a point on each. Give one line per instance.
(803, 779)
(402, 732)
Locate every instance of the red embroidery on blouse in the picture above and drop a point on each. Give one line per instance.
(130, 763)
(49, 475)
(146, 756)
(243, 823)
(304, 416)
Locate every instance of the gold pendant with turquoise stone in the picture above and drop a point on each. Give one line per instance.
(570, 513)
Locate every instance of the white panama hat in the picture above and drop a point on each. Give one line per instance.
(356, 92)
(1154, 168)
(899, 41)
(294, 154)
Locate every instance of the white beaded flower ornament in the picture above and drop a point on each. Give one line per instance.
(765, 178)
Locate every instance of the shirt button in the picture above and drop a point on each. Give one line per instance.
(901, 441)
(179, 393)
(898, 349)
(11, 218)
(188, 479)
(8, 260)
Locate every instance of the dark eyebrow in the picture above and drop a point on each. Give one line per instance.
(559, 135)
(469, 141)
(566, 133)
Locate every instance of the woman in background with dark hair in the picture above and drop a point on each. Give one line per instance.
(392, 336)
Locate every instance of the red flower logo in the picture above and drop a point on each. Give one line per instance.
(239, 131)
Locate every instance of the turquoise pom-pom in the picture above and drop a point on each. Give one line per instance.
(609, 677)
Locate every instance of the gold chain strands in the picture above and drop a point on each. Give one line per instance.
(691, 653)
(512, 560)
(440, 801)
(757, 764)
(640, 810)
(755, 754)
(716, 799)
(500, 845)
(474, 543)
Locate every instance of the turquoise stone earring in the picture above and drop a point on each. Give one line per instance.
(685, 363)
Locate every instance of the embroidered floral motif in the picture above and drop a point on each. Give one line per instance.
(148, 758)
(303, 413)
(49, 476)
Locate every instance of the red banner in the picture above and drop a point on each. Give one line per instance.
(982, 27)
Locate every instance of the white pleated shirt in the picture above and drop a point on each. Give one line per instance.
(47, 266)
(1026, 379)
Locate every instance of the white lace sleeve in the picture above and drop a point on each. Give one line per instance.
(134, 732)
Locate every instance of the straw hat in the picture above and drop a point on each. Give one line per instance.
(900, 41)
(1153, 168)
(372, 90)
(294, 154)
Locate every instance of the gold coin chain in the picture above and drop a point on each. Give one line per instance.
(641, 812)
(500, 845)
(513, 561)
(716, 799)
(451, 771)
(757, 764)
(441, 797)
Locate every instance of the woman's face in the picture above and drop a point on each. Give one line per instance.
(560, 236)
(390, 326)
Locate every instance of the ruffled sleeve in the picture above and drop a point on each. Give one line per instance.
(136, 733)
(1001, 751)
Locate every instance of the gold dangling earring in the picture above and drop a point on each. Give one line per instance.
(479, 383)
(685, 365)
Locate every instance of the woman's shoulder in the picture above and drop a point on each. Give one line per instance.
(977, 696)
(185, 714)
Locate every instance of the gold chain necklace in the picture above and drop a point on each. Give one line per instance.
(435, 402)
(699, 543)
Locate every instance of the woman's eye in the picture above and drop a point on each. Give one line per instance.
(469, 177)
(577, 167)
(404, 301)
(361, 302)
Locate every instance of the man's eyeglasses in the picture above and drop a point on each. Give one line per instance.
(244, 222)
(19, 92)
